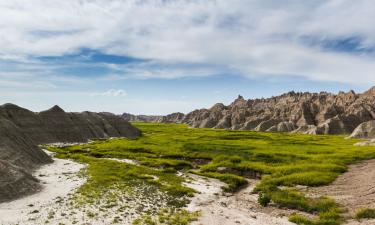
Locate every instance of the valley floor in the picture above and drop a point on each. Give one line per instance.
(60, 180)
(226, 175)
(354, 189)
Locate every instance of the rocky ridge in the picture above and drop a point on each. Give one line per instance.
(21, 131)
(141, 118)
(310, 113)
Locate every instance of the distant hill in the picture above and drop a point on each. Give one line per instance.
(311, 113)
(171, 118)
(21, 130)
(141, 118)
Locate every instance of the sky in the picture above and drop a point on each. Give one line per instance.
(163, 56)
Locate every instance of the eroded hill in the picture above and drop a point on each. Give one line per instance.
(311, 113)
(21, 130)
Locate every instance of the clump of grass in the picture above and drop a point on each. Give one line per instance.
(168, 217)
(264, 199)
(365, 213)
(328, 213)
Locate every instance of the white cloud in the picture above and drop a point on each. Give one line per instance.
(111, 93)
(255, 38)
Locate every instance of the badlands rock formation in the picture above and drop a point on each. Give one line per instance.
(141, 118)
(310, 113)
(22, 130)
(171, 118)
(364, 130)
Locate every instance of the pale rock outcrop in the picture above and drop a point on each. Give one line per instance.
(365, 130)
(265, 125)
(286, 127)
(224, 123)
(333, 126)
(366, 143)
(283, 127)
(306, 129)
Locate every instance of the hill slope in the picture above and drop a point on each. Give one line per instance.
(22, 130)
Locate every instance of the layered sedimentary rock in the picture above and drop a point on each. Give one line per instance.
(311, 113)
(364, 130)
(141, 118)
(15, 181)
(21, 130)
(172, 118)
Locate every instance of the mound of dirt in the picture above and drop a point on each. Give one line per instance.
(15, 181)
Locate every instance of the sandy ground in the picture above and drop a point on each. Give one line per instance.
(354, 189)
(230, 209)
(58, 179)
(55, 205)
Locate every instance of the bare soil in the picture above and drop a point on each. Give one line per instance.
(231, 209)
(354, 189)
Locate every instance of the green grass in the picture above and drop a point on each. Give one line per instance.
(168, 217)
(283, 160)
(365, 214)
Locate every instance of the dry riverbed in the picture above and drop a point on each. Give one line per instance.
(230, 209)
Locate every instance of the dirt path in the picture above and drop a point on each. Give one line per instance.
(230, 209)
(354, 189)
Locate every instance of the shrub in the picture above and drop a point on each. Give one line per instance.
(264, 199)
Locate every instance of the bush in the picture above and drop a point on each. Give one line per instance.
(264, 199)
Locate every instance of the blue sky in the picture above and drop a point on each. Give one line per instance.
(159, 57)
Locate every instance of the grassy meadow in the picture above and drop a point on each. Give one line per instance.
(282, 161)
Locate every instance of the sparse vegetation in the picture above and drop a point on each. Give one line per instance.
(365, 213)
(264, 199)
(168, 217)
(283, 160)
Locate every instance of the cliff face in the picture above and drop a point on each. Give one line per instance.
(22, 130)
(313, 113)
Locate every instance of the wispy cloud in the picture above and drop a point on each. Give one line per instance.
(88, 47)
(248, 37)
(111, 93)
